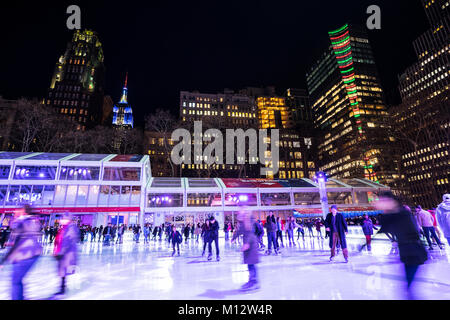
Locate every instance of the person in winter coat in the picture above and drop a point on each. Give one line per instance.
(146, 233)
(337, 226)
(271, 228)
(25, 248)
(367, 227)
(197, 231)
(279, 233)
(176, 240)
(301, 230)
(443, 216)
(259, 232)
(249, 248)
(107, 232)
(318, 225)
(205, 235)
(397, 221)
(187, 230)
(65, 250)
(426, 223)
(100, 233)
(120, 232)
(290, 226)
(214, 236)
(226, 231)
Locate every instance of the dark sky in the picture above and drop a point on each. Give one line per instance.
(168, 46)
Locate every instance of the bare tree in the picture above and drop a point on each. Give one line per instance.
(163, 123)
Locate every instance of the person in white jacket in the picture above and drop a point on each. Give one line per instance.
(443, 216)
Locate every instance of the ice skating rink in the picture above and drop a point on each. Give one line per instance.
(148, 271)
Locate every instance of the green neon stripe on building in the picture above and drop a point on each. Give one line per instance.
(342, 41)
(338, 30)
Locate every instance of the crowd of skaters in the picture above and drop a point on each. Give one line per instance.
(407, 229)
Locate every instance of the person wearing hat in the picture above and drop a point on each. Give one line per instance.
(336, 225)
(65, 250)
(213, 236)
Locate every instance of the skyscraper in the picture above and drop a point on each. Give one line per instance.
(349, 110)
(122, 117)
(422, 119)
(122, 112)
(76, 88)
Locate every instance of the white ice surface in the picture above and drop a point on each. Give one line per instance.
(148, 271)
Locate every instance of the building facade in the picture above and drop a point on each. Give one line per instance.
(222, 111)
(77, 85)
(422, 120)
(349, 110)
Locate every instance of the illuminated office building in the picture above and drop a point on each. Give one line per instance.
(423, 117)
(349, 110)
(76, 88)
(227, 110)
(122, 112)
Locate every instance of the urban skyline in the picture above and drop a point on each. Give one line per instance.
(195, 67)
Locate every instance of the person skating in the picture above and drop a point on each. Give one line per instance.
(443, 216)
(271, 237)
(336, 224)
(279, 233)
(146, 233)
(25, 249)
(290, 226)
(301, 230)
(426, 223)
(368, 227)
(309, 225)
(198, 231)
(187, 231)
(318, 225)
(226, 231)
(65, 250)
(205, 235)
(120, 233)
(107, 232)
(249, 248)
(177, 239)
(100, 233)
(397, 221)
(214, 236)
(259, 232)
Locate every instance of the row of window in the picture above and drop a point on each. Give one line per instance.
(155, 200)
(71, 173)
(73, 195)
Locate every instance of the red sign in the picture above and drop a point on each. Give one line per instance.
(250, 183)
(77, 210)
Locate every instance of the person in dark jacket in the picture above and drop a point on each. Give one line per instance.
(271, 228)
(368, 227)
(205, 235)
(396, 220)
(176, 239)
(65, 250)
(249, 248)
(259, 232)
(100, 233)
(25, 250)
(213, 236)
(337, 226)
(107, 232)
(186, 231)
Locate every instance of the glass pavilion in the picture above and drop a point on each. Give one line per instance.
(102, 188)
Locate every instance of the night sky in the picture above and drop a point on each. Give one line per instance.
(207, 46)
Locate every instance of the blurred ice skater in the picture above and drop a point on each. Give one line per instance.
(249, 248)
(25, 249)
(443, 216)
(399, 222)
(65, 250)
(426, 222)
